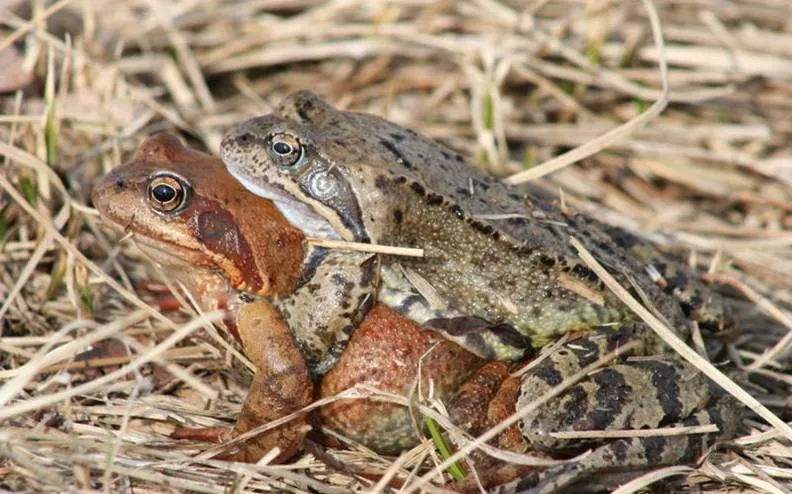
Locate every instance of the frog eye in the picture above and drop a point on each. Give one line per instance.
(285, 150)
(167, 192)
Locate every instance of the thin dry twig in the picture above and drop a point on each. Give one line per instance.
(616, 433)
(363, 247)
(644, 481)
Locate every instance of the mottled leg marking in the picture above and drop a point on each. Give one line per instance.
(326, 309)
(635, 395)
(642, 393)
(638, 454)
(561, 364)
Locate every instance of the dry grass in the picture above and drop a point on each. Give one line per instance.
(510, 88)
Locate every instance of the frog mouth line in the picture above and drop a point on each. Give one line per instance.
(296, 212)
(161, 250)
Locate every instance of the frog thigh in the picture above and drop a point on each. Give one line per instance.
(651, 392)
(636, 395)
(569, 359)
(325, 310)
(646, 393)
(637, 454)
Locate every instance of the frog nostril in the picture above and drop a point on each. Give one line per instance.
(120, 185)
(245, 138)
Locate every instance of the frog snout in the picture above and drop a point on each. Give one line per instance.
(120, 184)
(234, 141)
(108, 192)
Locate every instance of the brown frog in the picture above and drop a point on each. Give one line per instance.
(184, 212)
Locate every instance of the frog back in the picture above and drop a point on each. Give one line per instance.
(409, 171)
(417, 170)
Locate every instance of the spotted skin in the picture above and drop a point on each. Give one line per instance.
(636, 392)
(647, 393)
(492, 251)
(329, 304)
(623, 459)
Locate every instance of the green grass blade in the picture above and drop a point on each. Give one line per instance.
(455, 469)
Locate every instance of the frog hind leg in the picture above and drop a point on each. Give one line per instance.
(636, 394)
(337, 291)
(623, 459)
(643, 394)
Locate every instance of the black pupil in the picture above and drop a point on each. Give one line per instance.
(163, 193)
(281, 147)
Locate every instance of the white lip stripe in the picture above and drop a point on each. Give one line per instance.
(298, 214)
(265, 192)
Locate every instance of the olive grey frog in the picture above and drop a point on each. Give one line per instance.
(503, 276)
(499, 275)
